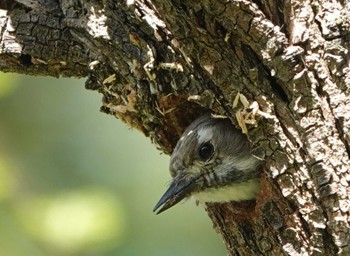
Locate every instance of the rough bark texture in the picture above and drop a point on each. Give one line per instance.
(160, 63)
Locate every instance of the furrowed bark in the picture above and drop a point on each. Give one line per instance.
(160, 64)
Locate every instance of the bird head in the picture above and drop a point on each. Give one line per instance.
(212, 160)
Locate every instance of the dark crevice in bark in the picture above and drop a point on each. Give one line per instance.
(200, 18)
(287, 133)
(272, 13)
(220, 29)
(7, 4)
(278, 90)
(330, 248)
(275, 86)
(25, 60)
(305, 226)
(340, 128)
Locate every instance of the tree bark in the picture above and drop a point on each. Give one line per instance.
(161, 63)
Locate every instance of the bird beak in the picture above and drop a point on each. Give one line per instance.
(178, 190)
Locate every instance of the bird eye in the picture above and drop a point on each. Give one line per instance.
(206, 150)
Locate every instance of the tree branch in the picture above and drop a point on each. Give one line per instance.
(160, 64)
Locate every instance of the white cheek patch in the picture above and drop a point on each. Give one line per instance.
(241, 163)
(204, 135)
(186, 135)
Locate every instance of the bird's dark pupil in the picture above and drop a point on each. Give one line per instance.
(206, 150)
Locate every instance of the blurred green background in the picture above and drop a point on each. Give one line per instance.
(74, 181)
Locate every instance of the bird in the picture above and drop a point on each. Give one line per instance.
(211, 161)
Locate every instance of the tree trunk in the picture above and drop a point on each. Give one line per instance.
(160, 63)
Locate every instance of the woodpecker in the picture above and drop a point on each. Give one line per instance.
(213, 162)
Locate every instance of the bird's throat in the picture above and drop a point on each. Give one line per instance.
(242, 191)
